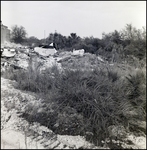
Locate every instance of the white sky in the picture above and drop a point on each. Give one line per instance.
(85, 18)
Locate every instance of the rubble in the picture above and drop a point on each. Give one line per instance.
(7, 52)
(62, 56)
(78, 52)
(45, 52)
(22, 58)
(49, 63)
(9, 44)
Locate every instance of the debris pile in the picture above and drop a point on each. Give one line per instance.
(22, 57)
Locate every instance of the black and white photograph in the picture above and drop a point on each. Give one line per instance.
(73, 74)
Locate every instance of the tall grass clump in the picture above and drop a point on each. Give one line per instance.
(136, 95)
(92, 94)
(136, 88)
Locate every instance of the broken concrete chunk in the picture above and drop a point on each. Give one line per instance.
(8, 52)
(45, 51)
(78, 52)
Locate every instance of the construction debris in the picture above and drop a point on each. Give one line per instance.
(7, 52)
(45, 50)
(78, 52)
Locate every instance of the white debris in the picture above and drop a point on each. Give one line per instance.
(12, 50)
(51, 44)
(99, 58)
(45, 51)
(8, 53)
(78, 52)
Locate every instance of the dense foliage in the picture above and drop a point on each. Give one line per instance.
(126, 45)
(117, 46)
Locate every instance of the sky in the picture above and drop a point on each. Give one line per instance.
(85, 18)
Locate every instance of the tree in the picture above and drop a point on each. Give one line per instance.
(58, 39)
(74, 39)
(50, 38)
(134, 41)
(18, 34)
(33, 41)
